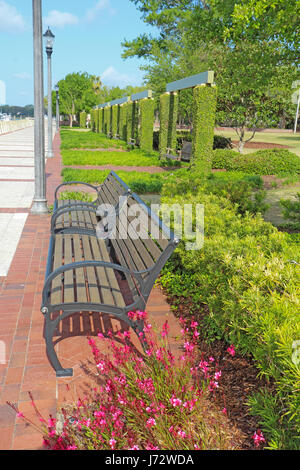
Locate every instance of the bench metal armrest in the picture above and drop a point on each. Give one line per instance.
(88, 264)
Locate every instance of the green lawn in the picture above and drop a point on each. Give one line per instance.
(72, 139)
(139, 182)
(100, 158)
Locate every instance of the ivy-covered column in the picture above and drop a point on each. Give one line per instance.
(123, 121)
(83, 119)
(129, 121)
(114, 120)
(164, 108)
(100, 120)
(106, 120)
(96, 118)
(204, 114)
(172, 127)
(146, 124)
(92, 120)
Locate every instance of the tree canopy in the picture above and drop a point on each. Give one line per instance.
(254, 67)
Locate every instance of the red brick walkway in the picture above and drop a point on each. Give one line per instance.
(21, 331)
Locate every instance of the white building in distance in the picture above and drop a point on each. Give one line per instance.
(2, 93)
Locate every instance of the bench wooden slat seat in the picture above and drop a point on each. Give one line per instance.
(69, 215)
(112, 275)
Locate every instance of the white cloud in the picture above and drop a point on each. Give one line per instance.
(111, 77)
(59, 19)
(10, 19)
(22, 76)
(100, 5)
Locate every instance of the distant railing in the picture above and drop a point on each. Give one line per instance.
(11, 126)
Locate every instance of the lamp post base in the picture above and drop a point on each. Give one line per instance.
(39, 206)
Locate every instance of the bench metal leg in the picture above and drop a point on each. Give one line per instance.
(51, 354)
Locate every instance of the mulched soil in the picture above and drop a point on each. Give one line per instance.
(269, 179)
(261, 145)
(238, 381)
(101, 150)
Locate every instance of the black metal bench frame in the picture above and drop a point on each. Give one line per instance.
(144, 286)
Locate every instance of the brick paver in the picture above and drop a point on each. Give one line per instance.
(21, 330)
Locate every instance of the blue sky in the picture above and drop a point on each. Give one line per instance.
(88, 39)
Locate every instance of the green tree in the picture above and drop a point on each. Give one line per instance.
(253, 77)
(76, 94)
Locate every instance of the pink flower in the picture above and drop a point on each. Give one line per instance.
(231, 350)
(112, 443)
(218, 375)
(194, 324)
(135, 448)
(151, 422)
(258, 438)
(181, 433)
(175, 401)
(188, 346)
(20, 415)
(224, 411)
(101, 366)
(165, 330)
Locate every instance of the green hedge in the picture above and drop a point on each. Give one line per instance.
(262, 162)
(244, 275)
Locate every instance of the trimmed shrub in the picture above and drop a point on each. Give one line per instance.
(244, 275)
(262, 162)
(221, 142)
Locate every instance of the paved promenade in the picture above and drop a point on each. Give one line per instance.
(24, 366)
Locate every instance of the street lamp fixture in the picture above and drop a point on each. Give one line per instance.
(49, 41)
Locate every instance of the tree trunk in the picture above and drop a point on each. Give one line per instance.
(241, 146)
(71, 120)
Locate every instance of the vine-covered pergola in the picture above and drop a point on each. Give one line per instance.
(132, 118)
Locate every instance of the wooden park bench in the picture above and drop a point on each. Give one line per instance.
(186, 152)
(74, 215)
(112, 275)
(182, 155)
(171, 154)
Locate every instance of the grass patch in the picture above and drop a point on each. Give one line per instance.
(89, 139)
(131, 158)
(139, 182)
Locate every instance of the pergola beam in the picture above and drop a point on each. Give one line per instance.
(204, 78)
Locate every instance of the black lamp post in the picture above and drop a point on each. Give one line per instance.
(49, 41)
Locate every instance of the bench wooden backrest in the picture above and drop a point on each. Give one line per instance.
(137, 246)
(115, 186)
